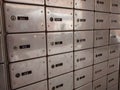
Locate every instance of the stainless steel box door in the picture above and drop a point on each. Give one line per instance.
(83, 76)
(115, 87)
(1, 58)
(27, 72)
(112, 79)
(86, 87)
(60, 3)
(83, 20)
(114, 36)
(101, 20)
(115, 6)
(38, 86)
(2, 77)
(26, 46)
(102, 5)
(64, 82)
(27, 1)
(113, 51)
(100, 70)
(100, 84)
(113, 65)
(60, 42)
(59, 19)
(101, 54)
(83, 40)
(84, 4)
(101, 37)
(24, 18)
(83, 58)
(60, 64)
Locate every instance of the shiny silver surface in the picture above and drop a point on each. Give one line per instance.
(83, 40)
(84, 4)
(60, 3)
(83, 58)
(101, 54)
(59, 19)
(86, 87)
(101, 20)
(101, 38)
(100, 84)
(115, 6)
(26, 46)
(38, 86)
(83, 76)
(114, 36)
(83, 20)
(64, 82)
(24, 18)
(60, 42)
(60, 64)
(99, 70)
(27, 72)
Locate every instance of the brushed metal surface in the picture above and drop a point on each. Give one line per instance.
(115, 6)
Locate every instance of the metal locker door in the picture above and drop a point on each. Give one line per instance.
(1, 59)
(64, 82)
(24, 18)
(114, 36)
(100, 70)
(27, 1)
(100, 84)
(102, 5)
(38, 86)
(60, 64)
(26, 46)
(59, 19)
(83, 58)
(101, 54)
(83, 76)
(84, 4)
(101, 38)
(60, 42)
(113, 65)
(83, 20)
(112, 79)
(60, 3)
(115, 87)
(115, 6)
(101, 20)
(27, 72)
(83, 40)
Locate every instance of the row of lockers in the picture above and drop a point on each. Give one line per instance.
(98, 5)
(32, 18)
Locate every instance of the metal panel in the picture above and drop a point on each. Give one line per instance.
(101, 20)
(27, 72)
(83, 40)
(83, 20)
(114, 36)
(102, 5)
(113, 51)
(64, 82)
(60, 3)
(2, 78)
(115, 6)
(100, 84)
(101, 54)
(38, 86)
(112, 79)
(114, 87)
(114, 21)
(86, 87)
(60, 42)
(59, 19)
(27, 1)
(83, 58)
(100, 70)
(84, 4)
(24, 18)
(101, 38)
(83, 76)
(23, 46)
(60, 64)
(1, 59)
